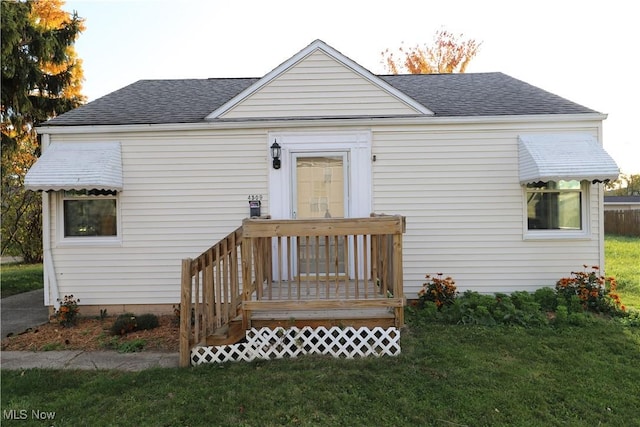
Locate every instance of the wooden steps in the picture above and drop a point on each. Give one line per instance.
(231, 333)
(327, 318)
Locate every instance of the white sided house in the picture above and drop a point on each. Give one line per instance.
(499, 183)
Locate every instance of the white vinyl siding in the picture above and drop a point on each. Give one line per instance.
(182, 193)
(319, 86)
(460, 192)
(457, 185)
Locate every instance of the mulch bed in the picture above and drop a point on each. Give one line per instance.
(93, 334)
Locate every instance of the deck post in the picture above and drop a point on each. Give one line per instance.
(246, 251)
(185, 314)
(398, 285)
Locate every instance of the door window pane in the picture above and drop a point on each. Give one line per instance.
(320, 193)
(320, 187)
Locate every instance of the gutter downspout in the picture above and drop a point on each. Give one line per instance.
(601, 251)
(600, 187)
(49, 272)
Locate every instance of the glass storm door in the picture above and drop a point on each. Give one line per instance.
(320, 190)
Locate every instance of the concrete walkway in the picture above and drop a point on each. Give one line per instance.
(87, 360)
(23, 311)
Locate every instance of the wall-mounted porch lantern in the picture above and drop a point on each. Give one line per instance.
(275, 154)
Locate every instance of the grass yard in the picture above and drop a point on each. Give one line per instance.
(622, 260)
(446, 375)
(18, 278)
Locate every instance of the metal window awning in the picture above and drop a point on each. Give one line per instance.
(77, 166)
(554, 157)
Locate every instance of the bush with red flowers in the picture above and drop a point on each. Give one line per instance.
(441, 291)
(67, 314)
(595, 292)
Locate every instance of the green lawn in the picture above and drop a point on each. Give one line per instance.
(18, 278)
(447, 375)
(622, 260)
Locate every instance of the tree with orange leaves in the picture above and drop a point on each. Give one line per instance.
(41, 78)
(448, 54)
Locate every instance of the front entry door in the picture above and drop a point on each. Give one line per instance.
(322, 174)
(320, 190)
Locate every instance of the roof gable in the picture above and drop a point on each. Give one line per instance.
(319, 81)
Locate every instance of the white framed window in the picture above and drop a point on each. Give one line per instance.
(557, 209)
(88, 216)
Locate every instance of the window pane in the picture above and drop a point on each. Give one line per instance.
(569, 185)
(569, 216)
(554, 210)
(95, 217)
(320, 194)
(320, 187)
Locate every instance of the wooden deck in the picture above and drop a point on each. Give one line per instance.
(324, 287)
(248, 279)
(292, 303)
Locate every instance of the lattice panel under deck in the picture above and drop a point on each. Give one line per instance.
(266, 343)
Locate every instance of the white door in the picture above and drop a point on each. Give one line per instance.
(322, 174)
(320, 183)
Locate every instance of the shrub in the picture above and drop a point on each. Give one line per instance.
(562, 314)
(438, 290)
(67, 314)
(631, 318)
(593, 292)
(547, 298)
(147, 321)
(523, 300)
(128, 322)
(580, 319)
(124, 324)
(423, 315)
(471, 308)
(571, 300)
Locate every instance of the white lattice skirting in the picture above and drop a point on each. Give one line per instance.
(281, 343)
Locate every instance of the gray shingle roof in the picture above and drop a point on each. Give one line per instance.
(622, 199)
(156, 101)
(191, 100)
(481, 94)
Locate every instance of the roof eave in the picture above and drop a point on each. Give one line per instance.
(305, 122)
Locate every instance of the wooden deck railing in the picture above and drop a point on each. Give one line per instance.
(292, 265)
(210, 292)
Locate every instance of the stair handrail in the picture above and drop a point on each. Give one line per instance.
(210, 292)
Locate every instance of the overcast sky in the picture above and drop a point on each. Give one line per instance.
(581, 50)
